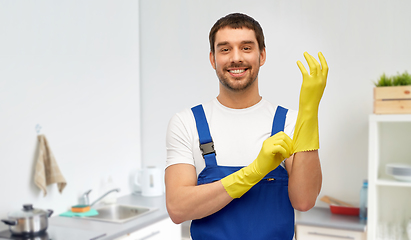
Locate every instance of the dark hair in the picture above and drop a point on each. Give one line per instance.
(237, 20)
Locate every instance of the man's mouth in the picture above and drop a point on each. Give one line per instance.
(237, 72)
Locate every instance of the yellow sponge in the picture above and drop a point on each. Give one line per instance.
(80, 208)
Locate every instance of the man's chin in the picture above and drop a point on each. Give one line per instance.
(237, 87)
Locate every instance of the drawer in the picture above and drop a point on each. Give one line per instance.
(319, 233)
(164, 229)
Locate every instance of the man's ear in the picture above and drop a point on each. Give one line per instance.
(263, 55)
(212, 60)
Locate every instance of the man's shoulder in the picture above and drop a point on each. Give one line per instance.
(274, 106)
(185, 116)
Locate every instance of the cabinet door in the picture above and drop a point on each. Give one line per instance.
(164, 229)
(318, 233)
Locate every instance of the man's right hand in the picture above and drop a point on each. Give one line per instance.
(274, 150)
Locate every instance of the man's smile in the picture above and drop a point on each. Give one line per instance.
(237, 72)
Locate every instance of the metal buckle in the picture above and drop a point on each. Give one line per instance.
(207, 148)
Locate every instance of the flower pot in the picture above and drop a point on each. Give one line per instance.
(392, 100)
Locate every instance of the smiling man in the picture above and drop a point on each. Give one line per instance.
(239, 165)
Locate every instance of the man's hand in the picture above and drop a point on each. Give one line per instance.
(274, 150)
(306, 129)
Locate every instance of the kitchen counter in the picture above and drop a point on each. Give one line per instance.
(322, 217)
(106, 230)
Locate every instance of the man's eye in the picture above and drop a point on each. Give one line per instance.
(224, 50)
(247, 48)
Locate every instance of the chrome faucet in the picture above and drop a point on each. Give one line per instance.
(85, 198)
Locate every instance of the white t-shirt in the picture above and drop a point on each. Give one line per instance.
(238, 134)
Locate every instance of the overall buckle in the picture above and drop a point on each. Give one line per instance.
(207, 148)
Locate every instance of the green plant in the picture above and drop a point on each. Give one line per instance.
(384, 81)
(402, 80)
(397, 80)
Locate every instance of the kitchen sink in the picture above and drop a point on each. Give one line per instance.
(119, 213)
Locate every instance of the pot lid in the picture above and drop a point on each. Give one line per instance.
(27, 211)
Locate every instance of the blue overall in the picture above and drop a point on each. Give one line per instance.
(264, 212)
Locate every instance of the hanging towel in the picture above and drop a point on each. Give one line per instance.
(47, 170)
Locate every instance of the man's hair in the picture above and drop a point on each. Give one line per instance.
(237, 20)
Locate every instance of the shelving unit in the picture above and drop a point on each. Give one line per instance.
(388, 199)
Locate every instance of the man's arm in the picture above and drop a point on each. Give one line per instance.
(304, 169)
(305, 179)
(186, 200)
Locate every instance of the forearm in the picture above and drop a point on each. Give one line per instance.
(305, 179)
(188, 201)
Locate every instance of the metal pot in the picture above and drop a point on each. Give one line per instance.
(29, 221)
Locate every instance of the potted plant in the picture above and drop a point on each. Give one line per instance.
(392, 94)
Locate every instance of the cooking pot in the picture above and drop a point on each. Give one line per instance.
(29, 221)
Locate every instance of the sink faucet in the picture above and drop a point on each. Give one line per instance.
(85, 199)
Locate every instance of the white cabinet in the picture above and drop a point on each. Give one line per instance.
(319, 223)
(318, 233)
(388, 199)
(164, 229)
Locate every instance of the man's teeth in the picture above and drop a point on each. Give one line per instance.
(237, 71)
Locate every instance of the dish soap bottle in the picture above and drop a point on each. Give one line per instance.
(111, 197)
(364, 200)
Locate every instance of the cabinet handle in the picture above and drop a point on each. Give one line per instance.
(150, 235)
(330, 235)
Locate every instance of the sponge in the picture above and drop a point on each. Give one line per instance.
(80, 208)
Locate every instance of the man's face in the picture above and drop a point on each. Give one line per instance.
(237, 58)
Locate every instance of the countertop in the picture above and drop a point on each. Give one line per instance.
(99, 230)
(322, 217)
(84, 229)
(114, 230)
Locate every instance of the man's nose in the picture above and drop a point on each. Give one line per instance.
(236, 56)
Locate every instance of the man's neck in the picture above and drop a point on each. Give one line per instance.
(238, 100)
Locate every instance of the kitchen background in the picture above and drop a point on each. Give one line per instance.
(73, 68)
(102, 78)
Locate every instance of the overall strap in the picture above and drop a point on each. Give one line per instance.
(279, 120)
(206, 142)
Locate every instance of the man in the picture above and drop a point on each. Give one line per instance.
(224, 171)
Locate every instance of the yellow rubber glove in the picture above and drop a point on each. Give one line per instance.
(306, 128)
(274, 150)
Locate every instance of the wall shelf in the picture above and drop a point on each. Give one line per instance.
(392, 183)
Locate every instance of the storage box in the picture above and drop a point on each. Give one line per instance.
(392, 100)
(344, 210)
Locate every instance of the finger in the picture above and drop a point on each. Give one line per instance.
(276, 139)
(288, 141)
(302, 68)
(323, 64)
(317, 65)
(311, 64)
(285, 142)
(282, 151)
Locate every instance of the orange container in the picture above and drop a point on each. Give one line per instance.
(353, 211)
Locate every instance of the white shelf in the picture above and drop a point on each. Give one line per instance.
(390, 118)
(385, 194)
(392, 183)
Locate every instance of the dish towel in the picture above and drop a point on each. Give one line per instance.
(47, 171)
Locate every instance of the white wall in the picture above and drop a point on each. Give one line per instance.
(73, 68)
(360, 40)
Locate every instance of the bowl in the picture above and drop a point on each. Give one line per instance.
(399, 171)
